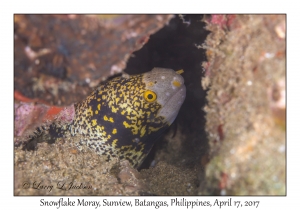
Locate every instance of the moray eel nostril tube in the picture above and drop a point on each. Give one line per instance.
(123, 117)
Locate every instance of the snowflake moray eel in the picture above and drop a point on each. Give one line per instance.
(123, 117)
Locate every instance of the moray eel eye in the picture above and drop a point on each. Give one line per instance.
(149, 96)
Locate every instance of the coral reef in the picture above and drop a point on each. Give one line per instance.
(246, 104)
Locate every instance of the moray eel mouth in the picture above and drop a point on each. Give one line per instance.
(175, 102)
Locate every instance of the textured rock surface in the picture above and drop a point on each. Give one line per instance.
(246, 104)
(58, 58)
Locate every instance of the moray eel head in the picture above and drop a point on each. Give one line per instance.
(169, 89)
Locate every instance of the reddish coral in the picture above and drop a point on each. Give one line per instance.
(222, 20)
(18, 96)
(223, 181)
(52, 112)
(220, 132)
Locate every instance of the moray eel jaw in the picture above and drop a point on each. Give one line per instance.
(171, 109)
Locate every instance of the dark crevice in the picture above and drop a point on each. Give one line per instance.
(174, 46)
